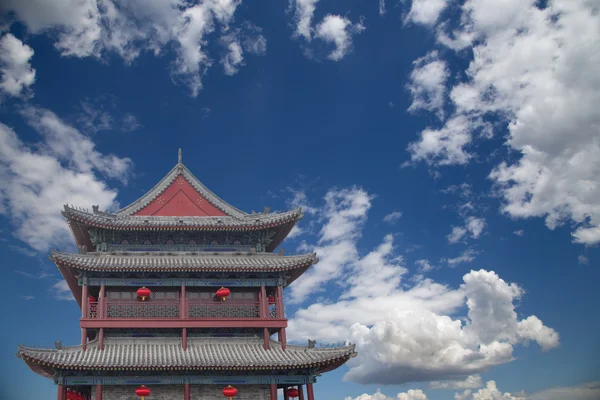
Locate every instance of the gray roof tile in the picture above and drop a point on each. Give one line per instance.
(167, 353)
(184, 261)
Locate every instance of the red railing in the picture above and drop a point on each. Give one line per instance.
(171, 309)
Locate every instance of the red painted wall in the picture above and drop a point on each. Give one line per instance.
(180, 199)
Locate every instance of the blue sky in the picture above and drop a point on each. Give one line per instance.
(445, 154)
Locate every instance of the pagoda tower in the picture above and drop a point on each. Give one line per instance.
(181, 296)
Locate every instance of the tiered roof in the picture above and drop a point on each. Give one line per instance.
(201, 354)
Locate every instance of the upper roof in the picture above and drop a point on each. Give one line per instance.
(180, 202)
(201, 353)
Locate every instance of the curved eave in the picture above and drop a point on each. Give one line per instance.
(264, 221)
(29, 356)
(72, 282)
(74, 263)
(39, 368)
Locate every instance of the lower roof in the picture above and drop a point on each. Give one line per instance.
(168, 354)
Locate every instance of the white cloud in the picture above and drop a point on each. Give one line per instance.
(338, 30)
(345, 212)
(426, 12)
(405, 333)
(91, 28)
(410, 395)
(392, 217)
(15, 69)
(586, 391)
(534, 71)
(427, 84)
(466, 256)
(583, 260)
(470, 382)
(61, 169)
(233, 59)
(444, 146)
(333, 29)
(130, 123)
(424, 265)
(304, 12)
(381, 7)
(520, 232)
(489, 392)
(473, 226)
(61, 291)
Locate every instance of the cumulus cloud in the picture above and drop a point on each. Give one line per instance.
(338, 30)
(426, 12)
(64, 167)
(333, 29)
(534, 72)
(586, 391)
(410, 395)
(427, 84)
(406, 333)
(16, 73)
(97, 28)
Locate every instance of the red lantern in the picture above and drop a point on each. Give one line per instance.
(143, 292)
(230, 392)
(292, 392)
(142, 392)
(69, 394)
(271, 299)
(223, 293)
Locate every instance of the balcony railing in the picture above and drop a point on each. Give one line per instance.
(171, 309)
(219, 310)
(138, 309)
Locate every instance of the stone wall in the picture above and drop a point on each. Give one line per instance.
(174, 392)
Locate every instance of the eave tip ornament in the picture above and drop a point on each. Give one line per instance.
(179, 157)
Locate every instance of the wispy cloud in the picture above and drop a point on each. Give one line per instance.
(466, 256)
(61, 291)
(392, 217)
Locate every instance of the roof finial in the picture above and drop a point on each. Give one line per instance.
(179, 157)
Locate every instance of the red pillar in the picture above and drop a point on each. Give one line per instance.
(279, 299)
(309, 391)
(266, 338)
(101, 339)
(84, 339)
(84, 302)
(102, 302)
(186, 391)
(264, 302)
(98, 392)
(182, 304)
(62, 393)
(273, 391)
(300, 392)
(282, 338)
(184, 338)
